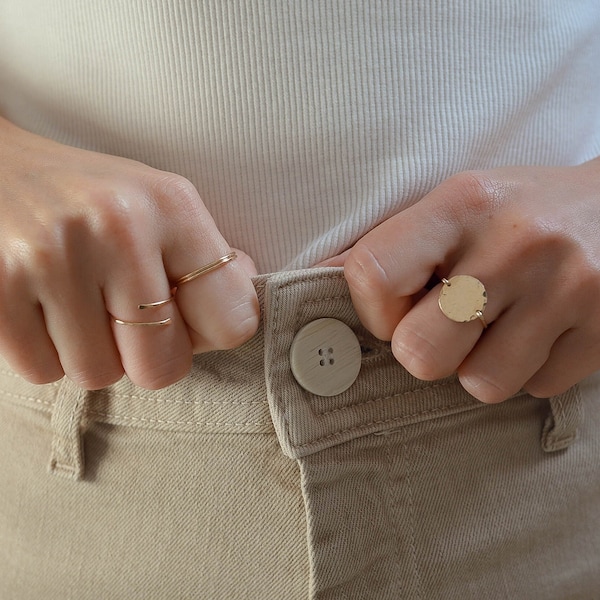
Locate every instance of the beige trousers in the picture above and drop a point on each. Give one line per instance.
(237, 483)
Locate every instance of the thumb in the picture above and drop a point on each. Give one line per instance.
(335, 261)
(246, 262)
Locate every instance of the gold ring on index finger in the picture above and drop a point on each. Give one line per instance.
(205, 269)
(463, 299)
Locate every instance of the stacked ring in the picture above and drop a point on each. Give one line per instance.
(184, 279)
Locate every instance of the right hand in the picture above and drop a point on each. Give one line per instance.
(84, 236)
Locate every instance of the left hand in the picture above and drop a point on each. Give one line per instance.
(532, 236)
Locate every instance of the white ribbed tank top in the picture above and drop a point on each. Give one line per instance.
(304, 123)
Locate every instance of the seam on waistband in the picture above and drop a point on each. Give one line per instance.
(398, 419)
(383, 398)
(144, 398)
(295, 282)
(193, 402)
(94, 413)
(47, 403)
(325, 299)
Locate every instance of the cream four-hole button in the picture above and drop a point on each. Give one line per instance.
(325, 357)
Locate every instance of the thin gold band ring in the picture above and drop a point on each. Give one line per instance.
(481, 318)
(205, 269)
(147, 323)
(143, 323)
(184, 279)
(156, 304)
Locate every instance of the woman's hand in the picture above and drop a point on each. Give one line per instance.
(84, 236)
(532, 236)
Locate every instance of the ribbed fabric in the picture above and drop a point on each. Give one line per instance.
(305, 123)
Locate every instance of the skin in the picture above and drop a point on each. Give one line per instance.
(86, 235)
(532, 236)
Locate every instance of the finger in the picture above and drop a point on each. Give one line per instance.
(153, 356)
(220, 307)
(510, 352)
(378, 300)
(429, 344)
(335, 261)
(574, 356)
(396, 259)
(391, 264)
(245, 262)
(77, 323)
(25, 343)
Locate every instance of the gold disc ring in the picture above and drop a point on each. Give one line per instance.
(463, 299)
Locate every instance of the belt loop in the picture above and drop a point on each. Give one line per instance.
(560, 428)
(66, 459)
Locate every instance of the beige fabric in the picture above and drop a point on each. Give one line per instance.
(304, 123)
(397, 488)
(463, 505)
(185, 493)
(67, 414)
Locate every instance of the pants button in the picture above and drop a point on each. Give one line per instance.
(325, 357)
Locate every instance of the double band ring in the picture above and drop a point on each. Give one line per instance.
(205, 269)
(184, 279)
(147, 323)
(156, 304)
(463, 299)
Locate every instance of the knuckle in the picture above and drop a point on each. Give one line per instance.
(475, 187)
(38, 254)
(48, 245)
(170, 371)
(233, 336)
(478, 195)
(118, 219)
(42, 375)
(35, 367)
(363, 271)
(96, 379)
(542, 235)
(473, 182)
(582, 277)
(418, 355)
(176, 193)
(541, 388)
(232, 328)
(547, 250)
(484, 388)
(229, 318)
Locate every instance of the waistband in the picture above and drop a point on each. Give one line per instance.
(256, 389)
